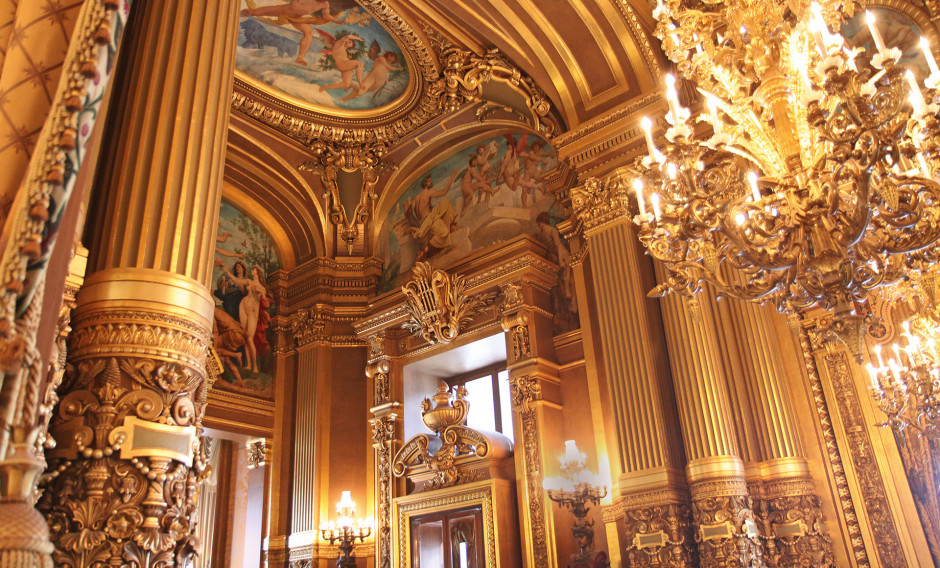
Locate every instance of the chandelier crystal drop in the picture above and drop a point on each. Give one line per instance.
(817, 179)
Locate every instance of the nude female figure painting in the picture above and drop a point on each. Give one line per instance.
(244, 256)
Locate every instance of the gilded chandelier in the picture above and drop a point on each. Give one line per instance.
(817, 179)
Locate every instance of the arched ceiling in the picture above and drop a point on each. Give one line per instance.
(590, 56)
(575, 72)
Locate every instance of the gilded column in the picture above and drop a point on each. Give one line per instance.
(130, 455)
(654, 498)
(725, 526)
(785, 501)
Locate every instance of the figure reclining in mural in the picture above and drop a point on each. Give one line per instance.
(434, 232)
(228, 337)
(252, 312)
(297, 13)
(345, 64)
(376, 79)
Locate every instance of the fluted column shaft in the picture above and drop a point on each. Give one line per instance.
(129, 427)
(785, 501)
(632, 367)
(724, 522)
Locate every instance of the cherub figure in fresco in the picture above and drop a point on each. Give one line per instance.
(474, 183)
(509, 168)
(376, 79)
(531, 176)
(299, 14)
(339, 49)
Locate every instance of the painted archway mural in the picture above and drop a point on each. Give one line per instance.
(478, 196)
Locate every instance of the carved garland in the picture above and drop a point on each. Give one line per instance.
(383, 437)
(862, 452)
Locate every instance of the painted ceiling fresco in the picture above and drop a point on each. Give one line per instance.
(478, 196)
(331, 54)
(244, 258)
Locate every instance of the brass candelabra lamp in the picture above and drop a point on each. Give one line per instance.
(346, 529)
(816, 181)
(906, 382)
(575, 490)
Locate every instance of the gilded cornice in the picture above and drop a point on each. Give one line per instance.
(640, 38)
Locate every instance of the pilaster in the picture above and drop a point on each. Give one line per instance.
(627, 350)
(535, 394)
(785, 501)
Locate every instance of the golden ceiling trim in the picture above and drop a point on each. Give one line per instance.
(449, 79)
(640, 38)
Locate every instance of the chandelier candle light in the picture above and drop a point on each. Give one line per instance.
(346, 529)
(906, 384)
(818, 179)
(574, 490)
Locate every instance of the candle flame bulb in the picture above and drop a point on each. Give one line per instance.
(917, 98)
(873, 375)
(928, 54)
(672, 97)
(755, 190)
(875, 34)
(877, 351)
(638, 188)
(647, 126)
(654, 199)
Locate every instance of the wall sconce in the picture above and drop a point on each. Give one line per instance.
(346, 529)
(574, 490)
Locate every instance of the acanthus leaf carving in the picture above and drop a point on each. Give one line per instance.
(439, 304)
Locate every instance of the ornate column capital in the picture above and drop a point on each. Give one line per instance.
(598, 204)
